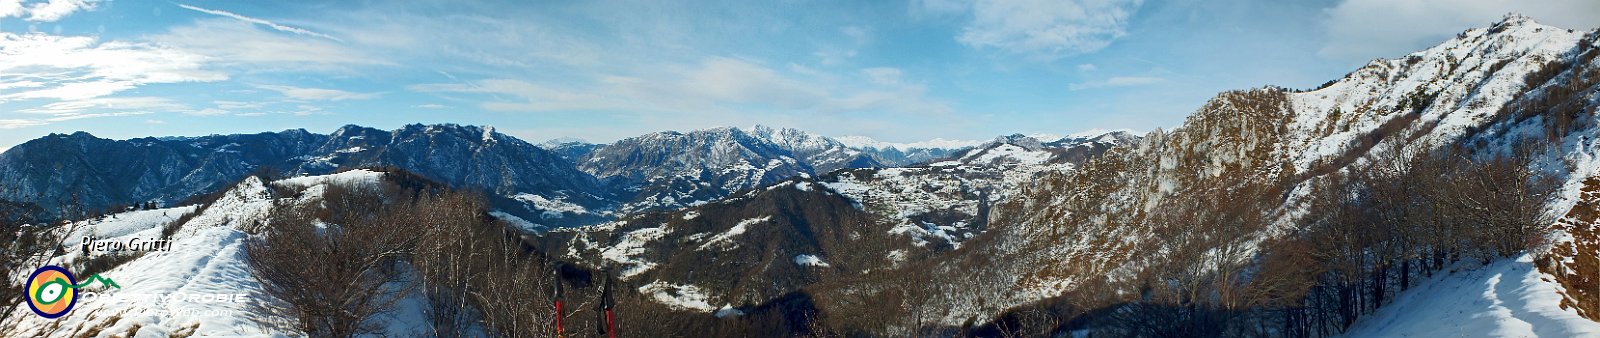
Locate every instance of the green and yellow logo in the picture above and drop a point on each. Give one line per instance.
(52, 290)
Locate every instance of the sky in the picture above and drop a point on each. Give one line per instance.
(898, 71)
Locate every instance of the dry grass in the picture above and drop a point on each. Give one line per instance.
(185, 331)
(132, 331)
(94, 331)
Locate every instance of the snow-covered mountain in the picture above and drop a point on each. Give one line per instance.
(903, 154)
(461, 156)
(668, 170)
(784, 237)
(822, 153)
(96, 173)
(556, 183)
(945, 203)
(60, 169)
(1488, 89)
(569, 148)
(957, 238)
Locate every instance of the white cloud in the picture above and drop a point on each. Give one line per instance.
(269, 24)
(232, 105)
(1042, 28)
(74, 90)
(155, 122)
(21, 84)
(236, 43)
(430, 106)
(318, 94)
(1118, 81)
(307, 110)
(77, 107)
(44, 66)
(70, 117)
(717, 83)
(34, 122)
(20, 123)
(734, 80)
(10, 8)
(1087, 67)
(533, 97)
(90, 108)
(208, 112)
(1366, 29)
(883, 75)
(53, 10)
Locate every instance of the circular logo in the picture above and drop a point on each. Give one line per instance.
(50, 291)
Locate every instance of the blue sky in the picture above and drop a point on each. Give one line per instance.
(601, 70)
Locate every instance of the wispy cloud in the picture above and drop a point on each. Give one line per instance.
(49, 11)
(139, 103)
(23, 123)
(208, 112)
(56, 78)
(95, 115)
(1047, 29)
(241, 44)
(529, 97)
(883, 75)
(715, 83)
(44, 66)
(318, 94)
(307, 110)
(1118, 81)
(91, 108)
(226, 104)
(269, 24)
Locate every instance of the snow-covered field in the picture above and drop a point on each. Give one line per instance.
(157, 289)
(203, 286)
(1507, 298)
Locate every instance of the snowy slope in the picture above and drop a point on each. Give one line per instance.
(1507, 298)
(207, 258)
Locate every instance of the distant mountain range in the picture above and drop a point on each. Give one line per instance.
(557, 183)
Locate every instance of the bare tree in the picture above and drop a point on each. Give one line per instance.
(334, 276)
(25, 247)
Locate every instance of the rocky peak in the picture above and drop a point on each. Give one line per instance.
(1512, 20)
(1020, 140)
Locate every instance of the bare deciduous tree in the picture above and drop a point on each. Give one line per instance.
(337, 266)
